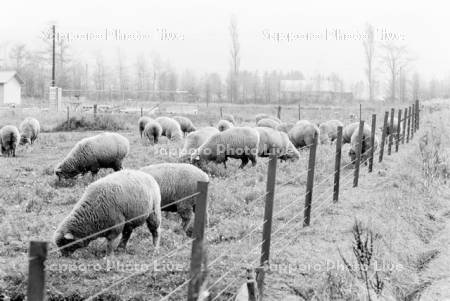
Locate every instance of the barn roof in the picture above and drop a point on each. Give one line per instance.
(6, 76)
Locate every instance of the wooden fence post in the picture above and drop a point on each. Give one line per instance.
(142, 111)
(252, 291)
(68, 118)
(337, 164)
(399, 122)
(299, 116)
(358, 153)
(221, 112)
(409, 125)
(36, 271)
(279, 112)
(405, 116)
(198, 255)
(417, 114)
(267, 223)
(383, 135)
(95, 110)
(413, 115)
(372, 141)
(391, 132)
(310, 182)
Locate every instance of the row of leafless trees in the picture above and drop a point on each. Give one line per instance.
(389, 75)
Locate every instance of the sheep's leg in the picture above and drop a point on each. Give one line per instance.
(186, 215)
(112, 242)
(244, 162)
(253, 159)
(126, 233)
(153, 224)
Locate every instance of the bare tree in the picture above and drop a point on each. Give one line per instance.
(235, 53)
(369, 51)
(18, 55)
(416, 85)
(395, 58)
(122, 72)
(100, 72)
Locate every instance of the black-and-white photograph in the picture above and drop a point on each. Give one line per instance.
(224, 150)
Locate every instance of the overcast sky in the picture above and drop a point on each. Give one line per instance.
(202, 39)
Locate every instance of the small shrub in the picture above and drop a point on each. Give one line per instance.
(91, 123)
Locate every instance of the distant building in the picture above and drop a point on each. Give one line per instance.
(310, 90)
(10, 88)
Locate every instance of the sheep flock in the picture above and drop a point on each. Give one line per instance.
(113, 205)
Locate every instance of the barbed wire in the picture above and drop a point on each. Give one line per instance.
(137, 273)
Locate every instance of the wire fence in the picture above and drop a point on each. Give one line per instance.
(364, 148)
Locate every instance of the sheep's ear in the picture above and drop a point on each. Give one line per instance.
(69, 235)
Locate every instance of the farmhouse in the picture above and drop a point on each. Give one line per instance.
(10, 88)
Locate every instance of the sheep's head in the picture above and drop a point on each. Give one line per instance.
(67, 243)
(352, 155)
(24, 140)
(62, 172)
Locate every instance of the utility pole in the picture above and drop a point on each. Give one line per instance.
(53, 56)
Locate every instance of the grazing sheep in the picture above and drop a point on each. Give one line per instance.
(186, 124)
(152, 131)
(258, 117)
(170, 128)
(273, 141)
(303, 133)
(195, 139)
(237, 142)
(393, 130)
(106, 150)
(142, 122)
(229, 118)
(285, 127)
(113, 205)
(9, 140)
(29, 130)
(348, 130)
(328, 130)
(365, 146)
(177, 181)
(224, 125)
(267, 122)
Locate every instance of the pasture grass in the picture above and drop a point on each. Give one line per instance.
(395, 202)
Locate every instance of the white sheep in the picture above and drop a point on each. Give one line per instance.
(366, 143)
(285, 127)
(9, 140)
(348, 130)
(186, 124)
(142, 122)
(303, 133)
(229, 118)
(237, 142)
(29, 130)
(224, 125)
(195, 139)
(106, 150)
(258, 117)
(152, 131)
(170, 128)
(273, 141)
(177, 181)
(267, 122)
(328, 130)
(113, 205)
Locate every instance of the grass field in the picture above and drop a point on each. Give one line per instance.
(404, 209)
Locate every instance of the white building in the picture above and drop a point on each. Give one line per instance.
(10, 88)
